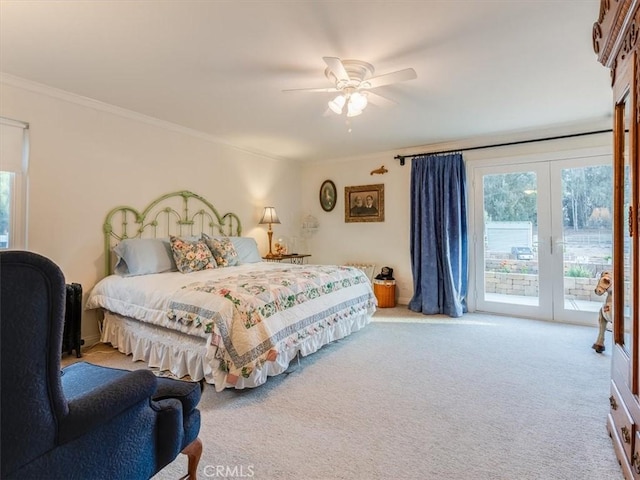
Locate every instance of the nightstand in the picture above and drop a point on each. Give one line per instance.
(297, 258)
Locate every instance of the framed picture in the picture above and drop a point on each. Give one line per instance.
(364, 203)
(328, 195)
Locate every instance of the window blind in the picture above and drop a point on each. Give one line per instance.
(12, 158)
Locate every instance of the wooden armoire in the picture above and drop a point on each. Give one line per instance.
(616, 41)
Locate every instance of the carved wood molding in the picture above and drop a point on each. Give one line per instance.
(605, 5)
(628, 45)
(630, 40)
(637, 92)
(612, 19)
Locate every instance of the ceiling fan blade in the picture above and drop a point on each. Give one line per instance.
(336, 66)
(320, 90)
(389, 78)
(379, 100)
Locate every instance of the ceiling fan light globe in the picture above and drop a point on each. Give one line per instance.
(358, 101)
(352, 112)
(337, 104)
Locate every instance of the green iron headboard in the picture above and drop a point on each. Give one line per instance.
(180, 213)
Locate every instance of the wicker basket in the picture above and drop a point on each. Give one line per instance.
(385, 292)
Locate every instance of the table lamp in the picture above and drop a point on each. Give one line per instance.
(268, 217)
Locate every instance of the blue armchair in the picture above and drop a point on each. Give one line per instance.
(84, 421)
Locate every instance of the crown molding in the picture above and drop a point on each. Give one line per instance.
(88, 102)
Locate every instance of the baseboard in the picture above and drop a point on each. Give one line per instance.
(90, 341)
(404, 300)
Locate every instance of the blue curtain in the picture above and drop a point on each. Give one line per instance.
(439, 234)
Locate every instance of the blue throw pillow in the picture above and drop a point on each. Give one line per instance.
(247, 249)
(142, 256)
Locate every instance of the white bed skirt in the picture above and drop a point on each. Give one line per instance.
(186, 355)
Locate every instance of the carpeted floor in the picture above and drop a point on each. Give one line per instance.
(418, 397)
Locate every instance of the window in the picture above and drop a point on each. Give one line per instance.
(546, 228)
(13, 183)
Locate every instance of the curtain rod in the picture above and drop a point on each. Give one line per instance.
(519, 142)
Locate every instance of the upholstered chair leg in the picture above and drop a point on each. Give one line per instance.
(193, 451)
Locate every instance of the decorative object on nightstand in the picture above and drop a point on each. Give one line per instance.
(268, 217)
(281, 246)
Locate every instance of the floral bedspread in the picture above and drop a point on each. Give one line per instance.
(263, 312)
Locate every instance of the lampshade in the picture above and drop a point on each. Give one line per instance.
(269, 216)
(352, 111)
(337, 104)
(356, 102)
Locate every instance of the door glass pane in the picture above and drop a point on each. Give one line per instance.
(6, 195)
(627, 245)
(510, 238)
(587, 242)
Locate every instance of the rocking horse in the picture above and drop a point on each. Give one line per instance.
(604, 316)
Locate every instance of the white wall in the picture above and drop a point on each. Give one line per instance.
(382, 243)
(387, 243)
(86, 159)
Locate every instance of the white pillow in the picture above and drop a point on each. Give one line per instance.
(247, 249)
(142, 256)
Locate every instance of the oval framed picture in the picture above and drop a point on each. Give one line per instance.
(328, 195)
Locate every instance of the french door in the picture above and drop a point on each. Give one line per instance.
(543, 236)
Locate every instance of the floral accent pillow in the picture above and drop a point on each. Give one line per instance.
(223, 251)
(191, 256)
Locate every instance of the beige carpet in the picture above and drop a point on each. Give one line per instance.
(418, 397)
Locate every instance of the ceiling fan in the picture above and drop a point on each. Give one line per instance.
(353, 80)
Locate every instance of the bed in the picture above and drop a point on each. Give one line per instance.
(185, 292)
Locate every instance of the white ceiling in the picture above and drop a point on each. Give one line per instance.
(219, 67)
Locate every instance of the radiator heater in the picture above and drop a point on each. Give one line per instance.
(73, 320)
(367, 268)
